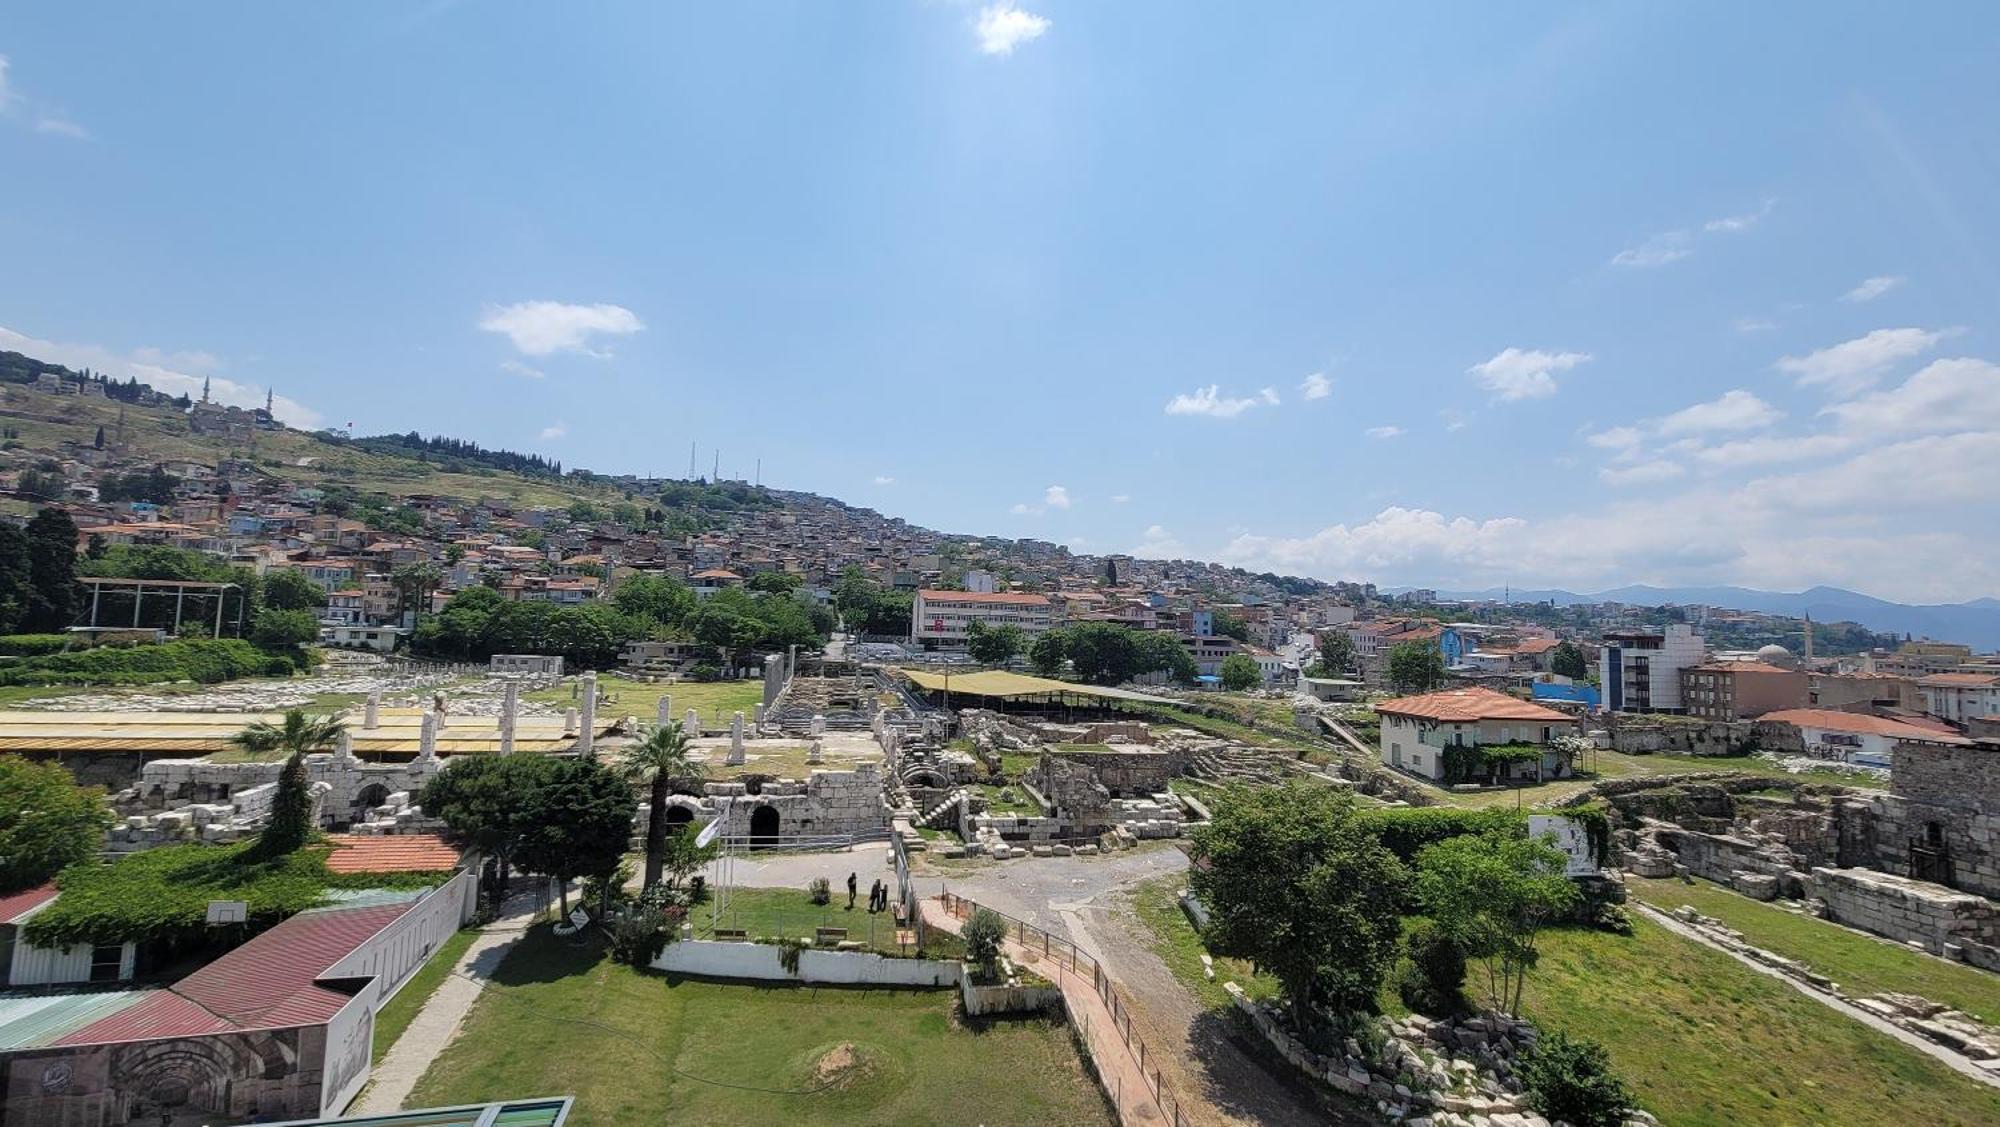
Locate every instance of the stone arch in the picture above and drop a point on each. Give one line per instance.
(369, 797)
(764, 826)
(678, 815)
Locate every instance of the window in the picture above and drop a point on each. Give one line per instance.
(106, 962)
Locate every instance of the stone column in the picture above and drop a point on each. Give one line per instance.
(588, 735)
(814, 753)
(665, 715)
(371, 714)
(510, 707)
(819, 724)
(427, 733)
(569, 721)
(757, 720)
(736, 741)
(692, 725)
(343, 748)
(774, 676)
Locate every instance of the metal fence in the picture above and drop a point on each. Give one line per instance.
(1066, 957)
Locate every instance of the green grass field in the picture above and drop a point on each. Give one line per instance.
(1706, 1040)
(714, 701)
(642, 1049)
(1177, 945)
(391, 1020)
(1860, 964)
(773, 913)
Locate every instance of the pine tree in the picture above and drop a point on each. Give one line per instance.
(52, 600)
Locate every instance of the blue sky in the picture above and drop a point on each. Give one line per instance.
(1578, 295)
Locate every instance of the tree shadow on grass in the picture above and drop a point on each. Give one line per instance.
(1245, 1078)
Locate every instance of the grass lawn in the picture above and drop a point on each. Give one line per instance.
(1177, 945)
(1007, 800)
(643, 1049)
(1015, 765)
(714, 701)
(773, 913)
(392, 1019)
(1706, 1040)
(1860, 964)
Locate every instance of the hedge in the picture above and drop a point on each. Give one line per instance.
(208, 661)
(32, 645)
(1406, 830)
(160, 896)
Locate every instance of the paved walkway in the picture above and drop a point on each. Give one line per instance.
(1119, 1067)
(438, 1022)
(1880, 1025)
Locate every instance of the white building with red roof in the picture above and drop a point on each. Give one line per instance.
(1437, 735)
(1958, 697)
(1851, 736)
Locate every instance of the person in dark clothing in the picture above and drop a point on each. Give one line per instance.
(852, 884)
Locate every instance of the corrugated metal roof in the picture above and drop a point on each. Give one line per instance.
(36, 1021)
(998, 683)
(13, 907)
(162, 1013)
(248, 983)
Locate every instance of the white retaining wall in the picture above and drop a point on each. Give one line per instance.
(713, 959)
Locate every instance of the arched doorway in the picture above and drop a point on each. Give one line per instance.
(679, 816)
(368, 798)
(764, 827)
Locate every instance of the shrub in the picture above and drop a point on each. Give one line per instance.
(983, 935)
(705, 671)
(32, 645)
(1406, 830)
(1433, 979)
(820, 890)
(638, 936)
(1571, 1079)
(204, 660)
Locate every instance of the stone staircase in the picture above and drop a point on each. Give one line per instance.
(949, 806)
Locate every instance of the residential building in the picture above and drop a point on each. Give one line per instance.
(1863, 692)
(1640, 670)
(1920, 659)
(939, 619)
(1958, 697)
(1740, 690)
(1416, 731)
(1854, 736)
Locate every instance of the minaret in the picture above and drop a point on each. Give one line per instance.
(270, 397)
(204, 389)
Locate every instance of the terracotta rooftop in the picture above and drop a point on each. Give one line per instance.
(1961, 680)
(13, 905)
(1859, 723)
(390, 853)
(1469, 705)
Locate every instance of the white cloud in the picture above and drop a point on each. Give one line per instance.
(1003, 27)
(1853, 365)
(1056, 497)
(520, 369)
(557, 429)
(1209, 401)
(1947, 395)
(540, 328)
(1873, 288)
(1665, 247)
(1755, 324)
(60, 126)
(1770, 450)
(1616, 438)
(1316, 386)
(1516, 373)
(884, 479)
(1159, 544)
(175, 373)
(45, 118)
(1645, 473)
(1120, 498)
(1735, 410)
(1734, 224)
(1384, 432)
(1023, 509)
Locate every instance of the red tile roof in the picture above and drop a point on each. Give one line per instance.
(1860, 723)
(390, 853)
(27, 900)
(1470, 705)
(1016, 598)
(1961, 680)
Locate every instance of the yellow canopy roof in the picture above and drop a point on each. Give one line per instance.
(998, 683)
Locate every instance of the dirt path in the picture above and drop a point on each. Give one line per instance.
(1201, 1059)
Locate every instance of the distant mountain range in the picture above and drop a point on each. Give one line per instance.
(1975, 623)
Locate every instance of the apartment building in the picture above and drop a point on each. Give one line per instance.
(1958, 697)
(940, 619)
(1739, 690)
(1640, 670)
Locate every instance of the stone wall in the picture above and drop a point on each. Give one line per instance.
(1876, 831)
(1958, 778)
(1909, 910)
(1125, 769)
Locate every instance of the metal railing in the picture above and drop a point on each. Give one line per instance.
(1066, 956)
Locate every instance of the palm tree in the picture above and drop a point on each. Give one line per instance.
(658, 759)
(291, 807)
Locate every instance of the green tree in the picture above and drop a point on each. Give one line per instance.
(298, 736)
(1570, 1080)
(658, 761)
(1491, 894)
(289, 589)
(666, 601)
(1049, 652)
(414, 583)
(482, 802)
(983, 934)
(47, 822)
(994, 645)
(52, 592)
(1566, 660)
(1336, 654)
(1161, 651)
(1227, 625)
(273, 627)
(1103, 653)
(1294, 882)
(681, 857)
(578, 823)
(1240, 672)
(14, 577)
(774, 582)
(1416, 667)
